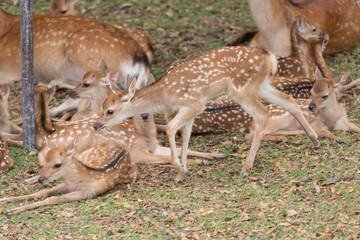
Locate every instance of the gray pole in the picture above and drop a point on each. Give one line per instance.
(27, 74)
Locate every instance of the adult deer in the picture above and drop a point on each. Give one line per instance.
(86, 176)
(240, 72)
(62, 42)
(68, 7)
(339, 19)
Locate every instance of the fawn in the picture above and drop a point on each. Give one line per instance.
(85, 176)
(5, 159)
(66, 46)
(240, 72)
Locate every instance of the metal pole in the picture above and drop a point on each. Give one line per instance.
(27, 74)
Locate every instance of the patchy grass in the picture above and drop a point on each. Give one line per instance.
(282, 198)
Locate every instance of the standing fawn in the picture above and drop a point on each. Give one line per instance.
(86, 176)
(339, 19)
(65, 47)
(240, 72)
(10, 132)
(5, 160)
(68, 7)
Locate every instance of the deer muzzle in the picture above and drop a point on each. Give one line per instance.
(73, 94)
(312, 107)
(98, 126)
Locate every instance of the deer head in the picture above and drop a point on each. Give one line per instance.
(63, 7)
(324, 92)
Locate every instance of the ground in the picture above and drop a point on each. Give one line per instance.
(284, 197)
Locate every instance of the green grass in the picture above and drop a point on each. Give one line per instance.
(281, 199)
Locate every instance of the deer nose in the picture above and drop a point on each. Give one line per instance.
(73, 94)
(95, 126)
(312, 107)
(144, 116)
(41, 180)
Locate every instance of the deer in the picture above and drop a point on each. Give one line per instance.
(6, 161)
(338, 19)
(93, 172)
(308, 44)
(240, 72)
(68, 7)
(66, 47)
(11, 132)
(138, 137)
(323, 111)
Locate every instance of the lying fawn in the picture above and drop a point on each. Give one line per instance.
(323, 110)
(5, 159)
(11, 132)
(68, 7)
(240, 72)
(338, 19)
(86, 176)
(77, 44)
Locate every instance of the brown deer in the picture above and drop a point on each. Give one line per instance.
(10, 132)
(339, 19)
(68, 7)
(240, 72)
(65, 47)
(5, 159)
(86, 176)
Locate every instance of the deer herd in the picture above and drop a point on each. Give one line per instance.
(278, 85)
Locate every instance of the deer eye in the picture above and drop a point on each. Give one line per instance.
(58, 165)
(63, 11)
(86, 85)
(314, 30)
(110, 112)
(324, 97)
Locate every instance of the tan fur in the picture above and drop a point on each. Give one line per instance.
(84, 177)
(240, 72)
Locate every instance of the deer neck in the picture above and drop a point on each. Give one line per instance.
(148, 100)
(147, 128)
(307, 56)
(6, 21)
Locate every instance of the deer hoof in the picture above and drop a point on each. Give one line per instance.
(9, 213)
(244, 172)
(220, 156)
(316, 143)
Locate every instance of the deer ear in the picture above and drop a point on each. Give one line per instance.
(342, 80)
(318, 74)
(132, 89)
(151, 79)
(102, 66)
(300, 22)
(48, 143)
(111, 80)
(325, 42)
(71, 148)
(51, 92)
(72, 71)
(5, 92)
(289, 17)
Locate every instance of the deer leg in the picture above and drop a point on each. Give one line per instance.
(353, 127)
(30, 181)
(184, 115)
(272, 95)
(40, 194)
(62, 83)
(185, 137)
(68, 105)
(70, 197)
(160, 128)
(147, 157)
(350, 85)
(15, 128)
(252, 105)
